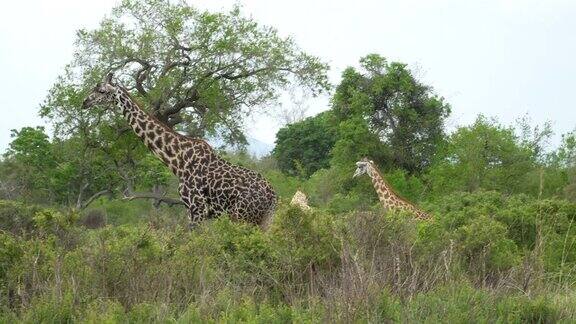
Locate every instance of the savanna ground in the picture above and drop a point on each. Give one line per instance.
(78, 243)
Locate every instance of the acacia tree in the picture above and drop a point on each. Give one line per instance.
(199, 72)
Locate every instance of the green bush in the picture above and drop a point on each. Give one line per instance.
(539, 310)
(53, 221)
(322, 186)
(305, 239)
(10, 251)
(345, 203)
(285, 186)
(51, 309)
(123, 212)
(486, 246)
(499, 230)
(17, 217)
(388, 309)
(103, 310)
(408, 186)
(231, 254)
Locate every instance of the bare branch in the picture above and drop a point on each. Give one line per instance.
(159, 198)
(231, 76)
(141, 76)
(171, 65)
(82, 205)
(177, 107)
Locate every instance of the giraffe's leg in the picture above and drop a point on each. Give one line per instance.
(195, 202)
(198, 211)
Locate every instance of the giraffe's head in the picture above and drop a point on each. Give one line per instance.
(102, 93)
(363, 166)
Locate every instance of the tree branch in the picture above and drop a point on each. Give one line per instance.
(160, 198)
(82, 205)
(231, 76)
(141, 76)
(172, 65)
(178, 106)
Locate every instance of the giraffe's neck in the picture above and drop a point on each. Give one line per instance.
(385, 193)
(160, 139)
(389, 199)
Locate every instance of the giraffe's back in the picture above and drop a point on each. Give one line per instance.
(243, 194)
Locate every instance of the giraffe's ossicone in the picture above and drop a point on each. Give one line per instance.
(209, 185)
(388, 198)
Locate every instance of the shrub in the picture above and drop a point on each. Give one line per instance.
(16, 217)
(486, 246)
(285, 186)
(94, 219)
(345, 203)
(501, 229)
(103, 310)
(539, 310)
(304, 239)
(408, 186)
(311, 266)
(123, 261)
(50, 308)
(388, 309)
(10, 254)
(53, 221)
(235, 253)
(460, 303)
(322, 186)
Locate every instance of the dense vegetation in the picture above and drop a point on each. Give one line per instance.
(78, 242)
(486, 257)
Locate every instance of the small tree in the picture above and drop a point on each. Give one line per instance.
(29, 164)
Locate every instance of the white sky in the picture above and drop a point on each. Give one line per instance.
(499, 58)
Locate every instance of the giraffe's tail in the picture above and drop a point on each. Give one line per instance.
(268, 218)
(269, 215)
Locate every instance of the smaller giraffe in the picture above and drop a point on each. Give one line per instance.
(386, 195)
(300, 200)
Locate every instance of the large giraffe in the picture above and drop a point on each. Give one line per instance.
(208, 185)
(386, 195)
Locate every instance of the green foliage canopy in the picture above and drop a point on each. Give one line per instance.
(200, 71)
(404, 113)
(484, 155)
(29, 163)
(304, 147)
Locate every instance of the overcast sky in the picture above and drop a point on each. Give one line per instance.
(498, 58)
